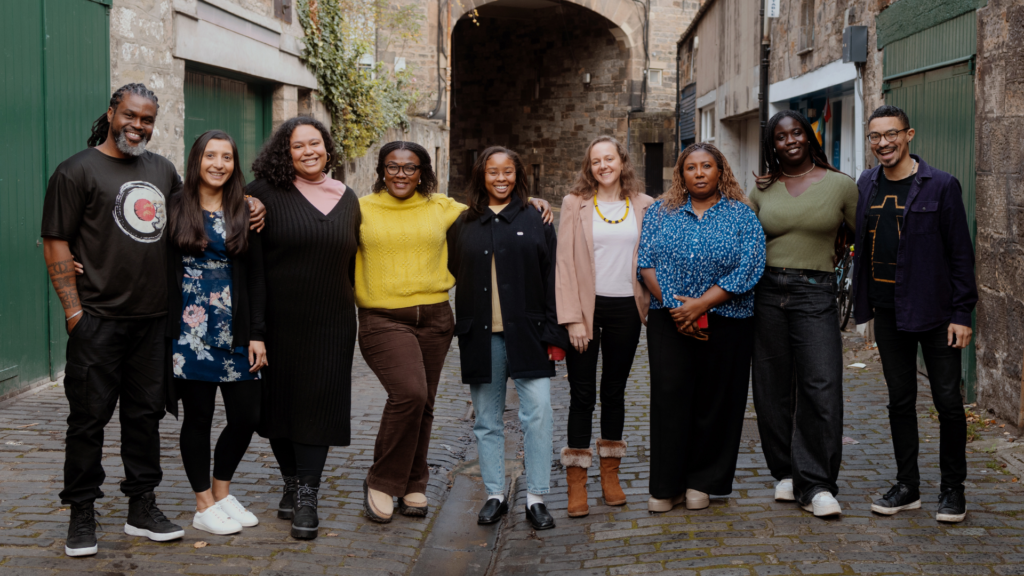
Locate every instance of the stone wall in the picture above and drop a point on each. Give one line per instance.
(669, 18)
(999, 129)
(517, 83)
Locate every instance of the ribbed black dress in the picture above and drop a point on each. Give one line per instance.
(310, 315)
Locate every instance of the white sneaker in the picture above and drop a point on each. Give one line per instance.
(234, 509)
(696, 500)
(215, 521)
(824, 504)
(784, 490)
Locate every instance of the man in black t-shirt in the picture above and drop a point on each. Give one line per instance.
(914, 276)
(106, 206)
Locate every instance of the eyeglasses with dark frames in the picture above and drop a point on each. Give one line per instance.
(890, 135)
(408, 169)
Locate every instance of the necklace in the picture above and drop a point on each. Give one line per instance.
(799, 175)
(602, 215)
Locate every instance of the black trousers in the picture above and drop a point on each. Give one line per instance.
(898, 352)
(616, 332)
(198, 400)
(798, 378)
(698, 397)
(110, 360)
(302, 460)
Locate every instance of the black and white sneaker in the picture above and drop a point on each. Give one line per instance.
(81, 531)
(145, 519)
(900, 497)
(952, 505)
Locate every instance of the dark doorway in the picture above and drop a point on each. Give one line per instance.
(654, 157)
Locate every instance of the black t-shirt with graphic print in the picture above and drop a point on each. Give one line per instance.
(113, 214)
(885, 223)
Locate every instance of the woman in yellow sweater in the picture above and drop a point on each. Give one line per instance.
(405, 320)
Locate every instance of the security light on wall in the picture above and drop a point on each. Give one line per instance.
(586, 78)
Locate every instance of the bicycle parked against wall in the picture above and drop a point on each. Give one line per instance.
(844, 283)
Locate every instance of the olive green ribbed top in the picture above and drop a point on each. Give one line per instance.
(801, 231)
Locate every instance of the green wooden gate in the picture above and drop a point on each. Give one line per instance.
(242, 109)
(56, 81)
(930, 75)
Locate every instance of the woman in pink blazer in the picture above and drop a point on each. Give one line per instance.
(599, 298)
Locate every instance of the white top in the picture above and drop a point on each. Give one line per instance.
(613, 249)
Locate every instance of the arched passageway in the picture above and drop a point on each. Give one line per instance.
(520, 79)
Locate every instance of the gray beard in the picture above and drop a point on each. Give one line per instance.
(127, 149)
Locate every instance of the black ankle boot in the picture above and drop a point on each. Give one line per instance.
(286, 507)
(305, 522)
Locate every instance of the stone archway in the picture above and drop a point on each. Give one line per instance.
(544, 78)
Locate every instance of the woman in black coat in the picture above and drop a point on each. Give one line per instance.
(503, 259)
(309, 249)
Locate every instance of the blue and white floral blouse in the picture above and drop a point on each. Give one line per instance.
(690, 255)
(203, 351)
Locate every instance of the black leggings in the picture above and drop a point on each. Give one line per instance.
(616, 333)
(242, 404)
(302, 460)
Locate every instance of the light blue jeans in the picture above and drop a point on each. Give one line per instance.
(534, 414)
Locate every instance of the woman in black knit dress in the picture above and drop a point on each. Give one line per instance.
(308, 249)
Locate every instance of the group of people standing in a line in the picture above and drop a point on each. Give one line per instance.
(254, 289)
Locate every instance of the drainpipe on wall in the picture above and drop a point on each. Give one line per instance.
(679, 101)
(762, 93)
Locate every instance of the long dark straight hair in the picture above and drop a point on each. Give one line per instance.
(476, 191)
(187, 228)
(771, 156)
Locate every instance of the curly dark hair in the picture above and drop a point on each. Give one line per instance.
(428, 180)
(677, 194)
(274, 162)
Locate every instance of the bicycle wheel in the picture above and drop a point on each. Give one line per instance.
(845, 296)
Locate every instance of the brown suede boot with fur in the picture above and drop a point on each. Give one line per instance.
(611, 453)
(576, 462)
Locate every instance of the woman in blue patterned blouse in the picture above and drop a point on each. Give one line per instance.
(701, 253)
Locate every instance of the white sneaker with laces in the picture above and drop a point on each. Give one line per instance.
(784, 490)
(234, 509)
(824, 504)
(215, 521)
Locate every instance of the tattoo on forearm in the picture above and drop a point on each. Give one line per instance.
(62, 274)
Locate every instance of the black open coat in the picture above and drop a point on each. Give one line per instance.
(524, 251)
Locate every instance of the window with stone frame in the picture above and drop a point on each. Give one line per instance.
(806, 43)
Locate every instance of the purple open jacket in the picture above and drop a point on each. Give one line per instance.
(935, 263)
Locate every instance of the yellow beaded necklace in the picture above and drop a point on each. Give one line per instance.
(602, 215)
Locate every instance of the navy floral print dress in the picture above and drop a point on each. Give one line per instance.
(203, 350)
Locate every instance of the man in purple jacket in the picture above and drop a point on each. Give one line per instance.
(915, 276)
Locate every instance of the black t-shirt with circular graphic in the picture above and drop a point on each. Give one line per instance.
(113, 214)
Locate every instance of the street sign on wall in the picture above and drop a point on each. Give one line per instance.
(771, 8)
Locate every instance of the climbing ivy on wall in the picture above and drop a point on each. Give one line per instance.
(364, 101)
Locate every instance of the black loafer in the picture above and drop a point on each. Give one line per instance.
(539, 517)
(492, 511)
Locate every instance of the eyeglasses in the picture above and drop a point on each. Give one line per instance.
(408, 169)
(891, 135)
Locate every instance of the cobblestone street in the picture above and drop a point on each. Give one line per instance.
(747, 533)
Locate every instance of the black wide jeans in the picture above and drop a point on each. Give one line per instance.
(111, 361)
(698, 397)
(617, 333)
(798, 378)
(898, 352)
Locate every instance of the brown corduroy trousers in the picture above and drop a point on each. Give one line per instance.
(406, 349)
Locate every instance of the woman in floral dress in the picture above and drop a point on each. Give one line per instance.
(217, 326)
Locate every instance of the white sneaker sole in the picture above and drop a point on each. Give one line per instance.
(698, 503)
(211, 530)
(890, 511)
(784, 495)
(75, 552)
(664, 504)
(824, 511)
(154, 536)
(951, 517)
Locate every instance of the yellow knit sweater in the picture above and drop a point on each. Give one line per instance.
(403, 255)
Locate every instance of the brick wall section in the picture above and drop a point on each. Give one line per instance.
(669, 18)
(999, 128)
(496, 68)
(141, 41)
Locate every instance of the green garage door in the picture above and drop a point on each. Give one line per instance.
(930, 75)
(56, 80)
(242, 109)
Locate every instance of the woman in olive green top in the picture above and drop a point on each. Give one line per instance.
(798, 373)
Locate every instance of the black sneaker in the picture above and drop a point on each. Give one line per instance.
(145, 519)
(286, 507)
(305, 523)
(900, 497)
(81, 531)
(952, 505)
